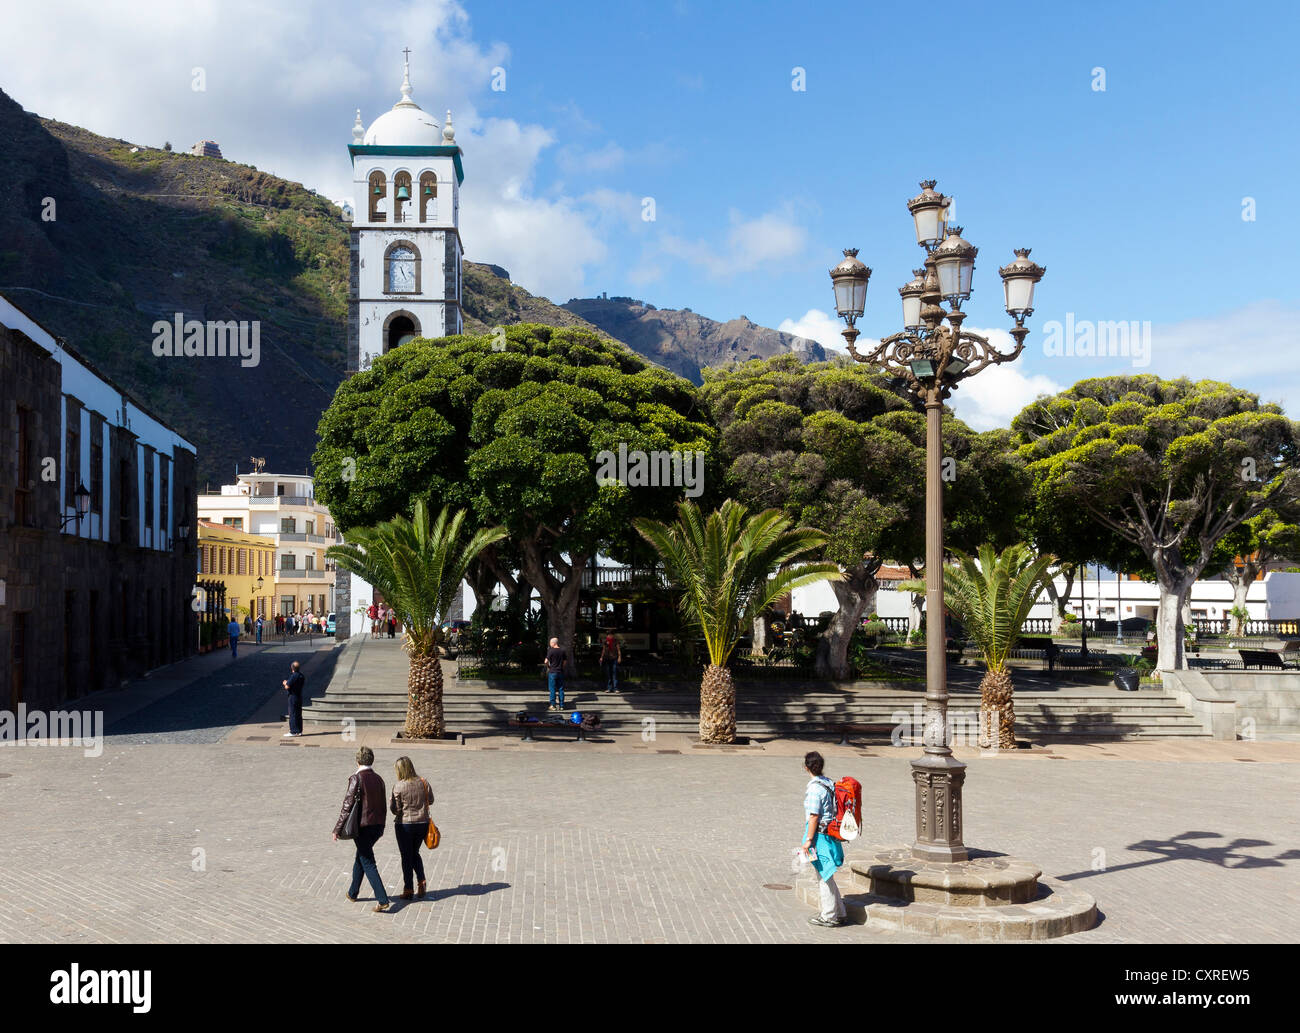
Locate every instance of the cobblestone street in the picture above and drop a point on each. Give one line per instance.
(186, 838)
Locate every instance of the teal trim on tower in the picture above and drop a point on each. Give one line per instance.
(452, 152)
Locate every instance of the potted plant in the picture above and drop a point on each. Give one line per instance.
(1129, 674)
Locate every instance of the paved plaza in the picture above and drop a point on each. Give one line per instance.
(199, 824)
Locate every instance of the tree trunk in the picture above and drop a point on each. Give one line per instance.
(915, 599)
(997, 711)
(1169, 625)
(424, 698)
(559, 596)
(1240, 578)
(717, 706)
(1060, 600)
(856, 595)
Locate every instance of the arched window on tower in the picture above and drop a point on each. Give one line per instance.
(402, 268)
(428, 197)
(402, 185)
(378, 191)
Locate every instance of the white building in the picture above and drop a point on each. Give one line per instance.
(1275, 596)
(406, 252)
(283, 507)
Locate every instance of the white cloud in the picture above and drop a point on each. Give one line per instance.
(749, 244)
(816, 325)
(1251, 347)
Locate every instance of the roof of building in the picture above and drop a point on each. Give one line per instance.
(406, 124)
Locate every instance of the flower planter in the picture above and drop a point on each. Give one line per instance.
(1127, 678)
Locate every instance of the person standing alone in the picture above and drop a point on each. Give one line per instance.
(611, 655)
(232, 629)
(557, 660)
(824, 852)
(294, 685)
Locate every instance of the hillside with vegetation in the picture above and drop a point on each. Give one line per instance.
(100, 238)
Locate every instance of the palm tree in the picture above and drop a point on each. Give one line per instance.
(992, 598)
(730, 567)
(418, 568)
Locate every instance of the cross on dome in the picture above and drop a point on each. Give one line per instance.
(406, 81)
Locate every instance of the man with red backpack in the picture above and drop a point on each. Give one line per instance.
(834, 815)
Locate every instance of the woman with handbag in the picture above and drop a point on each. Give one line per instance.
(410, 806)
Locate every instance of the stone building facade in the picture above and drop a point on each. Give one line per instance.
(86, 600)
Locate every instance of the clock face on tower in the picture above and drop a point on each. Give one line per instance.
(401, 271)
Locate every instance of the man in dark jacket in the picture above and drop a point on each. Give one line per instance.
(374, 812)
(294, 685)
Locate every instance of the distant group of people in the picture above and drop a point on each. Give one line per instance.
(299, 623)
(409, 804)
(382, 619)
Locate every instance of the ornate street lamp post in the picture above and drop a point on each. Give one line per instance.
(931, 358)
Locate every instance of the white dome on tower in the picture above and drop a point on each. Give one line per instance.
(406, 125)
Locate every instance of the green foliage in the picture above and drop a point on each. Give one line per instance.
(993, 597)
(1163, 465)
(838, 446)
(515, 435)
(731, 566)
(418, 566)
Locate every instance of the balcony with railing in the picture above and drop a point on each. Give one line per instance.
(281, 500)
(313, 575)
(299, 536)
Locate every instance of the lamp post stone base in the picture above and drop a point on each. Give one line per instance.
(989, 896)
(939, 779)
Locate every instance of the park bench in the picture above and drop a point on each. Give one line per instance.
(532, 724)
(846, 728)
(1036, 649)
(1261, 658)
(1073, 659)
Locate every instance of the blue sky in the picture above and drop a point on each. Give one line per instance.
(1132, 196)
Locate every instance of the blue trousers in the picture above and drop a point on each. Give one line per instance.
(295, 713)
(555, 682)
(611, 674)
(234, 647)
(365, 863)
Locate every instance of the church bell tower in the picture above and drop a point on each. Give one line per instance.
(406, 256)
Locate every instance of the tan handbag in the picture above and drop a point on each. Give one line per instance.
(433, 837)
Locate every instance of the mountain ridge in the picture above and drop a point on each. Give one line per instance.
(101, 238)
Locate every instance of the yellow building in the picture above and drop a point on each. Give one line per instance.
(243, 562)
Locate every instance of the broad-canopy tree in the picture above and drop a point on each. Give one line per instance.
(1170, 466)
(515, 434)
(1257, 543)
(839, 447)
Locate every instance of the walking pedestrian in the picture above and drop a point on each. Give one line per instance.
(557, 660)
(392, 623)
(232, 630)
(410, 806)
(611, 655)
(248, 625)
(294, 686)
(373, 816)
(259, 630)
(373, 613)
(825, 853)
